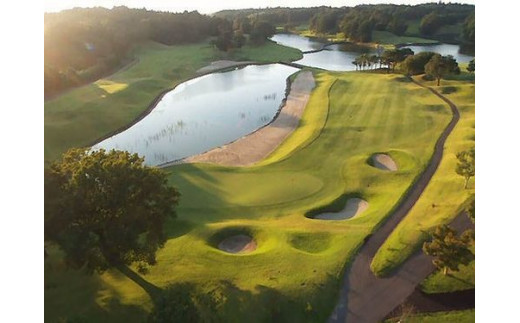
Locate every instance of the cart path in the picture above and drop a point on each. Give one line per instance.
(366, 298)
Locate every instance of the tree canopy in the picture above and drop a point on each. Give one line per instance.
(107, 209)
(83, 44)
(414, 64)
(466, 165)
(440, 66)
(261, 31)
(470, 208)
(471, 66)
(448, 250)
(393, 56)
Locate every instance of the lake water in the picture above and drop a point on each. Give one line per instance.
(443, 49)
(204, 113)
(336, 59)
(332, 58)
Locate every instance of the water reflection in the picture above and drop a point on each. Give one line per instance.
(205, 113)
(333, 58)
(443, 49)
(340, 57)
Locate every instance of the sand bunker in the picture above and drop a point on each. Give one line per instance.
(353, 207)
(218, 65)
(384, 162)
(239, 243)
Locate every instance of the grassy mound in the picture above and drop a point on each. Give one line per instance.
(309, 242)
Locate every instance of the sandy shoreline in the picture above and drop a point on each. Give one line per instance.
(258, 145)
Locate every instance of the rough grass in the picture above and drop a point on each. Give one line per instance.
(294, 273)
(83, 115)
(442, 199)
(465, 316)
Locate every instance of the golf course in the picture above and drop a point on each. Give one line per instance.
(328, 201)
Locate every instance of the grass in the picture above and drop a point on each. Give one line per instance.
(295, 271)
(465, 316)
(442, 199)
(462, 279)
(83, 115)
(329, 37)
(386, 37)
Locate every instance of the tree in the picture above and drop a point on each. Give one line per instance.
(393, 56)
(468, 28)
(261, 31)
(107, 209)
(440, 66)
(470, 209)
(471, 66)
(430, 23)
(224, 41)
(414, 64)
(397, 26)
(466, 165)
(238, 39)
(448, 250)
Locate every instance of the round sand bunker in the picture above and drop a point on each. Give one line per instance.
(239, 243)
(384, 162)
(353, 207)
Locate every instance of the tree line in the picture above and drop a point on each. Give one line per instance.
(82, 45)
(429, 63)
(358, 23)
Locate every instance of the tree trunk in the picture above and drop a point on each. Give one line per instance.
(152, 290)
(445, 272)
(438, 81)
(466, 183)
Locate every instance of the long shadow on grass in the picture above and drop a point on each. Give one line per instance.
(226, 302)
(74, 296)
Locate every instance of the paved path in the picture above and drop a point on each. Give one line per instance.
(365, 298)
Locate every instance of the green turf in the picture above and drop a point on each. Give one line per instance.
(442, 199)
(413, 28)
(82, 115)
(465, 316)
(295, 271)
(386, 37)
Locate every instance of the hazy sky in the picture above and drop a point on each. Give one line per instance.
(208, 6)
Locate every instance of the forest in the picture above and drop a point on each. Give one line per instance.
(82, 45)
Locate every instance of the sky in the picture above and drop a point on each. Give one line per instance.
(211, 6)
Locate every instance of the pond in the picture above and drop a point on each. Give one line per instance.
(443, 49)
(205, 113)
(336, 58)
(333, 58)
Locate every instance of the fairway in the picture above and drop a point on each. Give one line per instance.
(445, 194)
(295, 269)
